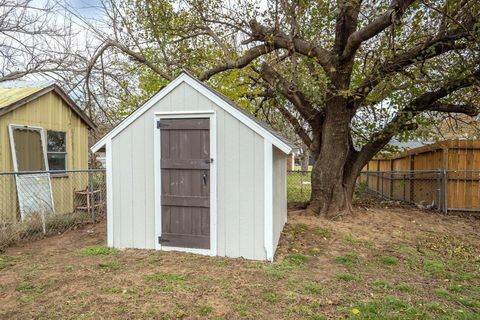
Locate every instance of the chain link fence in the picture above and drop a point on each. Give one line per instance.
(299, 186)
(35, 204)
(441, 190)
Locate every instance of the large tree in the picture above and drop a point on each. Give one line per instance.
(346, 75)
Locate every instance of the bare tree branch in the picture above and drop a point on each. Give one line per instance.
(395, 11)
(290, 92)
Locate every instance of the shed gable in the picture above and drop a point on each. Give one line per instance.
(215, 97)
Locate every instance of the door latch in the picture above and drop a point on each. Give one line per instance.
(161, 240)
(204, 177)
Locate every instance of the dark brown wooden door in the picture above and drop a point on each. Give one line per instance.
(185, 164)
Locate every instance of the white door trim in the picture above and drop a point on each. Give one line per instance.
(210, 114)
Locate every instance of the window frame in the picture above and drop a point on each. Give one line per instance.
(60, 172)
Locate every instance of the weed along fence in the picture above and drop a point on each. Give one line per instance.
(444, 176)
(34, 204)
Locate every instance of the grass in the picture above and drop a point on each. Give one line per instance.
(388, 260)
(110, 266)
(312, 287)
(347, 277)
(270, 296)
(380, 285)
(351, 240)
(434, 268)
(6, 261)
(349, 259)
(389, 305)
(325, 233)
(167, 282)
(98, 251)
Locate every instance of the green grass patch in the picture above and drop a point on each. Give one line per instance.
(434, 268)
(297, 259)
(271, 296)
(110, 266)
(299, 227)
(29, 290)
(345, 276)
(405, 287)
(113, 290)
(349, 259)
(441, 292)
(280, 269)
(27, 287)
(380, 285)
(456, 288)
(350, 240)
(99, 251)
(388, 260)
(325, 233)
(312, 287)
(241, 308)
(221, 263)
(407, 250)
(153, 260)
(6, 261)
(168, 281)
(204, 310)
(387, 308)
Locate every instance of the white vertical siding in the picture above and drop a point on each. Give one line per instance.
(279, 194)
(239, 179)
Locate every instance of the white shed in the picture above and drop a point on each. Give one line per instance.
(191, 171)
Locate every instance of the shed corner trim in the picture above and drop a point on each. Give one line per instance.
(268, 199)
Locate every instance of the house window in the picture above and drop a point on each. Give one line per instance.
(57, 150)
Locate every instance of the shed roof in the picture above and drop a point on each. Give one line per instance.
(247, 114)
(221, 100)
(14, 94)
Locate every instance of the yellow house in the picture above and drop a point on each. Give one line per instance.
(41, 129)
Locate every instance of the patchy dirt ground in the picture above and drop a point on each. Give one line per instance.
(380, 263)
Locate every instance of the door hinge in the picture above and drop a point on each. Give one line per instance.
(161, 240)
(161, 125)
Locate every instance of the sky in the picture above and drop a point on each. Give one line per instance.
(88, 8)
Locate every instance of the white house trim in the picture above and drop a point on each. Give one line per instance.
(268, 198)
(210, 114)
(185, 77)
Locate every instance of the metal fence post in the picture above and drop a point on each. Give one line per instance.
(91, 195)
(381, 179)
(445, 191)
(439, 191)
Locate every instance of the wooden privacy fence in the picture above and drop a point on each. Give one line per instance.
(444, 175)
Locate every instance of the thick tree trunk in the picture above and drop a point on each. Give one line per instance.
(333, 173)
